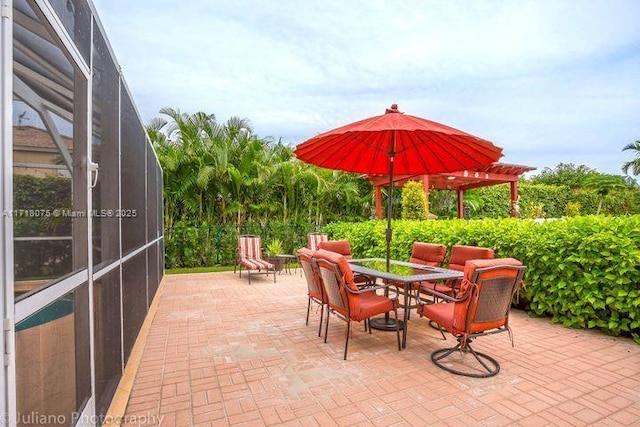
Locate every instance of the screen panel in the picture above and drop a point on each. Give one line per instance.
(134, 294)
(105, 152)
(133, 161)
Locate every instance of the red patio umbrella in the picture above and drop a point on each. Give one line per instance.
(397, 143)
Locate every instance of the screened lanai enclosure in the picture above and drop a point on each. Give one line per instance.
(82, 240)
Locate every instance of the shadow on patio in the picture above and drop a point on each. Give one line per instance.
(221, 352)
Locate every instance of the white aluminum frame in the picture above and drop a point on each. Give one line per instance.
(8, 373)
(13, 312)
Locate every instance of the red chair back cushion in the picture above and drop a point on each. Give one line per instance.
(461, 254)
(428, 254)
(341, 247)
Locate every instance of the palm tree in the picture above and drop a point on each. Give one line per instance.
(634, 164)
(224, 173)
(603, 184)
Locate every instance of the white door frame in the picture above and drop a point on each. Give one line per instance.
(22, 309)
(7, 374)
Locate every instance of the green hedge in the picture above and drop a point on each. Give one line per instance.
(584, 272)
(190, 244)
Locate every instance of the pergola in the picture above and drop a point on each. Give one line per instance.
(493, 174)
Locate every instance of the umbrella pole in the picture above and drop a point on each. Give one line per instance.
(389, 231)
(386, 323)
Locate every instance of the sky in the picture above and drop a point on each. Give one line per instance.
(548, 81)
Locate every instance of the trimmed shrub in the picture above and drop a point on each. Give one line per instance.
(414, 201)
(204, 244)
(583, 272)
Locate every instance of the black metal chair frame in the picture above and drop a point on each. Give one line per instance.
(311, 273)
(342, 300)
(492, 307)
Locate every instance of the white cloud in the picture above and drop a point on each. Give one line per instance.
(549, 81)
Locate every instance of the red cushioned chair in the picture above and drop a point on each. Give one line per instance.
(345, 299)
(315, 289)
(343, 247)
(481, 307)
(459, 256)
(430, 254)
(314, 240)
(250, 257)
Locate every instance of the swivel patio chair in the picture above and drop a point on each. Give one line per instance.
(250, 257)
(315, 289)
(346, 300)
(314, 240)
(481, 307)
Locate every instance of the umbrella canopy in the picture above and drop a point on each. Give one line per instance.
(400, 143)
(418, 146)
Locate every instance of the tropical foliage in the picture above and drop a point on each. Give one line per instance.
(224, 173)
(221, 179)
(414, 201)
(565, 175)
(632, 165)
(566, 190)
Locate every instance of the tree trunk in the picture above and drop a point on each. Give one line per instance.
(599, 205)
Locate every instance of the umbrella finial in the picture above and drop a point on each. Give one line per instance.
(393, 109)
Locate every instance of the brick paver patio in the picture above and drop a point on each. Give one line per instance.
(221, 352)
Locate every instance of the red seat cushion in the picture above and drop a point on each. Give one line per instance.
(369, 304)
(441, 313)
(361, 306)
(453, 316)
(256, 264)
(444, 288)
(317, 296)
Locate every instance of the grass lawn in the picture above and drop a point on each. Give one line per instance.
(209, 269)
(199, 269)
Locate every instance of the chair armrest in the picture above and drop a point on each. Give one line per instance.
(367, 289)
(440, 295)
(369, 281)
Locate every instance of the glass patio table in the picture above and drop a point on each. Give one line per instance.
(401, 274)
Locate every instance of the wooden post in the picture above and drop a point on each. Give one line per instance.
(378, 197)
(515, 208)
(460, 204)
